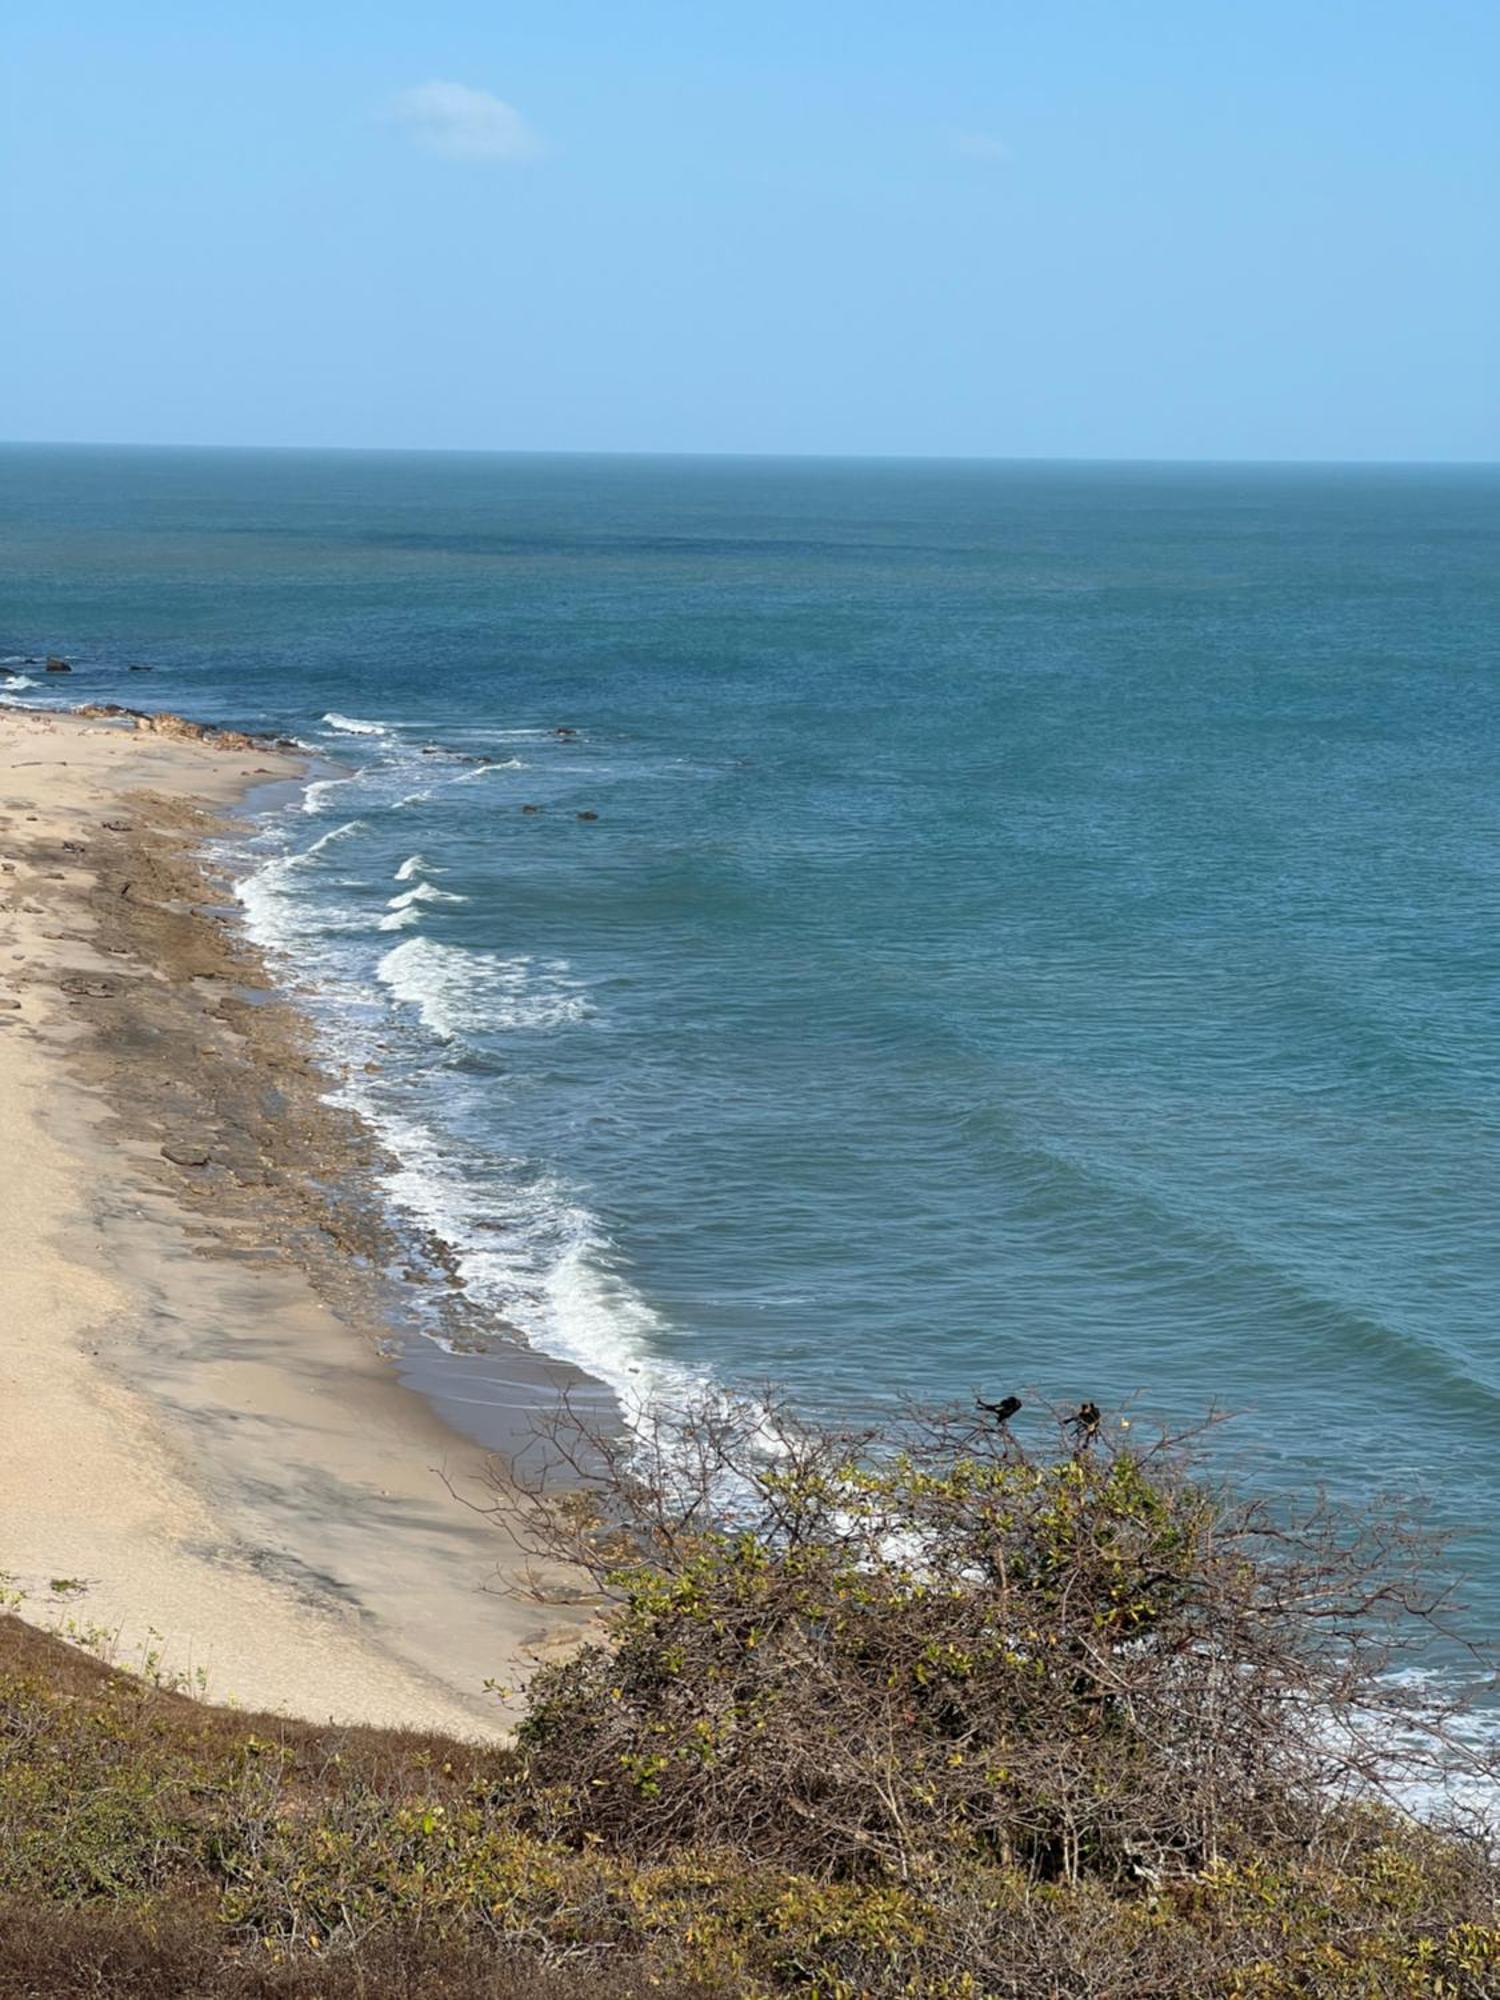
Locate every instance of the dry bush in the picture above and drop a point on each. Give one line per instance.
(183, 1954)
(897, 1663)
(912, 1718)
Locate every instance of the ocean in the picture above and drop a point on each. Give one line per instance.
(922, 927)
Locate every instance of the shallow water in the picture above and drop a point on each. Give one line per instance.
(1039, 930)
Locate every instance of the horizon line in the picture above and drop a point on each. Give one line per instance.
(765, 457)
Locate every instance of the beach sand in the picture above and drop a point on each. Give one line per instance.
(200, 1424)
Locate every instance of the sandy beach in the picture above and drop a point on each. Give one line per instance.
(201, 1428)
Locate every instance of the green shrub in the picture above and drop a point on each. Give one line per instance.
(898, 1664)
(940, 1723)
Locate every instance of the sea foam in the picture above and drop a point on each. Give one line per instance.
(529, 1251)
(317, 792)
(527, 1247)
(459, 993)
(351, 725)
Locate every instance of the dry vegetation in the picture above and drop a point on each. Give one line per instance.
(921, 1716)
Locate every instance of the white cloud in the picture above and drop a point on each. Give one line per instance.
(465, 124)
(979, 146)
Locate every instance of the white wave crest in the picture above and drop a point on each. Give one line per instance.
(530, 1252)
(458, 992)
(403, 911)
(326, 840)
(527, 1246)
(424, 892)
(274, 915)
(19, 681)
(350, 725)
(484, 770)
(318, 790)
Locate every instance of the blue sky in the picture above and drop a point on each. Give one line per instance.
(1030, 228)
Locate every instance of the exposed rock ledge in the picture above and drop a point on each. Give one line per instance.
(178, 727)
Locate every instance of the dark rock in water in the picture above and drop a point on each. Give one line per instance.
(531, 809)
(137, 667)
(185, 1155)
(565, 730)
(57, 666)
(484, 760)
(588, 815)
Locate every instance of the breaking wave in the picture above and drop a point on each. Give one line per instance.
(351, 725)
(461, 994)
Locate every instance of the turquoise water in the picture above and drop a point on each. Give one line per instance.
(1039, 932)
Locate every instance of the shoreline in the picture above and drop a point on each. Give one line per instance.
(206, 1370)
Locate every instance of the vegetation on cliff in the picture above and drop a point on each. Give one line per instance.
(920, 1716)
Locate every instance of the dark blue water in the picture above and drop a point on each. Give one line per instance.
(1039, 931)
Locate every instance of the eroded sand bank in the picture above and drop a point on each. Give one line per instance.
(197, 1418)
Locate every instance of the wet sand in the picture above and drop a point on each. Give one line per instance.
(203, 1372)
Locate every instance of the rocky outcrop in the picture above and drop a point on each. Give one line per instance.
(179, 729)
